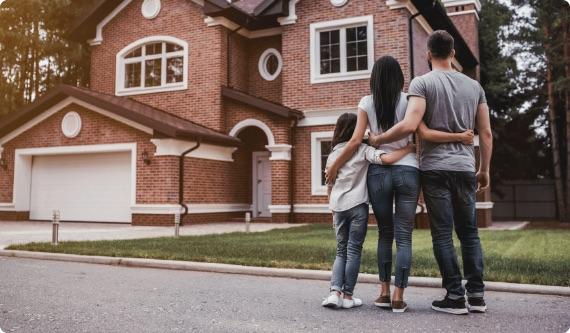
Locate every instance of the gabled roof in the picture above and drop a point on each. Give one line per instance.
(262, 104)
(161, 122)
(251, 14)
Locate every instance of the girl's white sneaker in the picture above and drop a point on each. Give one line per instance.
(332, 301)
(351, 303)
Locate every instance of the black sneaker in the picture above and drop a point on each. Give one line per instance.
(476, 304)
(447, 305)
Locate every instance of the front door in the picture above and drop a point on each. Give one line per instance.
(261, 184)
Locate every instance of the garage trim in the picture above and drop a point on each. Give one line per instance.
(23, 168)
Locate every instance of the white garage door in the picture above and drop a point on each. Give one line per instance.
(83, 187)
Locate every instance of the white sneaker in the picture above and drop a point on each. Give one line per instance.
(332, 301)
(351, 303)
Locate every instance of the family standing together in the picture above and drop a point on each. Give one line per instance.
(444, 107)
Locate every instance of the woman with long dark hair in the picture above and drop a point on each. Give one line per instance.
(393, 189)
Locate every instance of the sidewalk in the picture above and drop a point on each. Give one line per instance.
(26, 232)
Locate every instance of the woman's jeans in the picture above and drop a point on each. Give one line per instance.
(402, 183)
(350, 226)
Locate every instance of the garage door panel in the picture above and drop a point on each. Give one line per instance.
(83, 187)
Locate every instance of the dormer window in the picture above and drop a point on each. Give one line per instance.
(153, 64)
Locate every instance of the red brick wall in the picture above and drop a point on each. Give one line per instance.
(420, 50)
(258, 86)
(183, 19)
(468, 26)
(390, 36)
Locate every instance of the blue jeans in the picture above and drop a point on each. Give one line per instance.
(386, 183)
(450, 197)
(350, 226)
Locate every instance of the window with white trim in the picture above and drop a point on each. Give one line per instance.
(153, 64)
(342, 49)
(320, 150)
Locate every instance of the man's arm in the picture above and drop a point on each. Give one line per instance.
(436, 136)
(485, 146)
(414, 114)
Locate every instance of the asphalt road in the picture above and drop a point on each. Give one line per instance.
(49, 296)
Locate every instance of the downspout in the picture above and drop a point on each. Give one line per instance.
(411, 43)
(228, 57)
(292, 133)
(181, 177)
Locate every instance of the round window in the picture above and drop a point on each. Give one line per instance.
(339, 3)
(71, 124)
(270, 64)
(150, 8)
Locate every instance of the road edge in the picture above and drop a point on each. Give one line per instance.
(304, 274)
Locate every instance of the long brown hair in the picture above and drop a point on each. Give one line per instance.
(386, 84)
(344, 128)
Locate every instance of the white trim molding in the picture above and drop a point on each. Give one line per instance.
(342, 25)
(121, 61)
(280, 152)
(58, 107)
(98, 39)
(317, 188)
(464, 12)
(175, 147)
(451, 3)
(262, 64)
(292, 18)
(193, 208)
(319, 117)
(23, 169)
(280, 209)
(215, 21)
(255, 123)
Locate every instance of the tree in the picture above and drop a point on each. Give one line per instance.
(35, 53)
(545, 35)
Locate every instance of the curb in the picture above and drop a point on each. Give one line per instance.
(305, 274)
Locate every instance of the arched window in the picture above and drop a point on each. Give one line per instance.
(152, 64)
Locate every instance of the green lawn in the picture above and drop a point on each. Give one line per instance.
(526, 256)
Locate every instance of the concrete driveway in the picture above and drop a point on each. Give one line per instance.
(26, 232)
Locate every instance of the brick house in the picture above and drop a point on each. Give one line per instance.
(212, 107)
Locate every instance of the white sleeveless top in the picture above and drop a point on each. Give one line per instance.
(367, 105)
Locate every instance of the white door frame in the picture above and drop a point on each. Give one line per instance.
(254, 157)
(23, 167)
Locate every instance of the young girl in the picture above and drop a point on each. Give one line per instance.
(348, 199)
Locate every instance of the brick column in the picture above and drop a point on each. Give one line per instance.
(280, 187)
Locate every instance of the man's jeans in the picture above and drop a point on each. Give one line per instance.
(350, 226)
(450, 197)
(386, 182)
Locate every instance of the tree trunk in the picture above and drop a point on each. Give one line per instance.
(566, 46)
(553, 129)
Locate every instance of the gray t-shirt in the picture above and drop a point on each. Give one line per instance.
(452, 99)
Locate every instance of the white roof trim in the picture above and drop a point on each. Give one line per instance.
(99, 31)
(450, 3)
(58, 107)
(465, 12)
(214, 21)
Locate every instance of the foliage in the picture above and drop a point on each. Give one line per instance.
(508, 256)
(35, 52)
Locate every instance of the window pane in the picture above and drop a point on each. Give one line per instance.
(325, 151)
(330, 52)
(362, 63)
(174, 70)
(134, 53)
(325, 38)
(133, 75)
(351, 34)
(173, 48)
(351, 64)
(154, 48)
(362, 33)
(272, 64)
(362, 48)
(351, 49)
(152, 73)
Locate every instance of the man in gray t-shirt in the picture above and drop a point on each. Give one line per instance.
(449, 101)
(452, 99)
